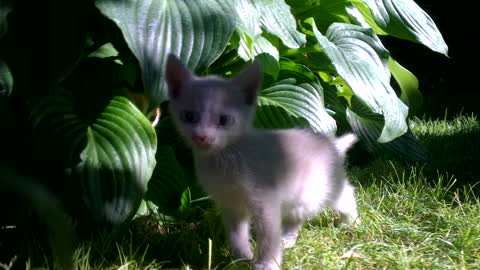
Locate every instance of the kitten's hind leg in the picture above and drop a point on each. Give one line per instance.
(290, 233)
(292, 220)
(346, 205)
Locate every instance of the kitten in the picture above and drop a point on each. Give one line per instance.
(278, 178)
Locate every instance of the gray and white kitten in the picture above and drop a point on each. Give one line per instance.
(277, 178)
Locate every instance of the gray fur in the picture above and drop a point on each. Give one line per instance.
(277, 178)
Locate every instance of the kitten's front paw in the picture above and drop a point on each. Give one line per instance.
(262, 265)
(242, 253)
(347, 222)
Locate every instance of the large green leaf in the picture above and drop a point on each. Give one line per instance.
(271, 16)
(118, 160)
(368, 126)
(364, 122)
(403, 19)
(248, 48)
(197, 31)
(360, 59)
(112, 155)
(254, 18)
(408, 84)
(55, 117)
(5, 8)
(6, 79)
(324, 12)
(296, 101)
(169, 181)
(259, 48)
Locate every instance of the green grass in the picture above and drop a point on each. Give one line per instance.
(413, 217)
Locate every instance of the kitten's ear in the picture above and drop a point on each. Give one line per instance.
(176, 74)
(250, 81)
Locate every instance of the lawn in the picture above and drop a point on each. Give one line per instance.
(424, 216)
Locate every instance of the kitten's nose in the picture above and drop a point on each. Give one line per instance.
(201, 140)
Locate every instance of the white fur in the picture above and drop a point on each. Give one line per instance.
(343, 143)
(277, 178)
(279, 190)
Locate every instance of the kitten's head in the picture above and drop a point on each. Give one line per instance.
(211, 112)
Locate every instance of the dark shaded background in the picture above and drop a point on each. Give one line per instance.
(445, 82)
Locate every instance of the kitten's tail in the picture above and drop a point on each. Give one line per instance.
(344, 142)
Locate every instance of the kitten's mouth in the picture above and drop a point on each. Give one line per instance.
(202, 146)
(202, 143)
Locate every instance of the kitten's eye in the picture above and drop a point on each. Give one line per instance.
(225, 120)
(190, 117)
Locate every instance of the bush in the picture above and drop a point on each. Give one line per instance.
(80, 81)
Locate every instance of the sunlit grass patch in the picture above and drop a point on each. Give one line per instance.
(408, 222)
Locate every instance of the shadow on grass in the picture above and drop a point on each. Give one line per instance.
(452, 144)
(188, 242)
(149, 243)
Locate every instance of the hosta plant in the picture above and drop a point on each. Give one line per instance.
(89, 76)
